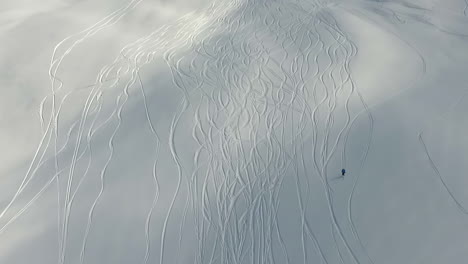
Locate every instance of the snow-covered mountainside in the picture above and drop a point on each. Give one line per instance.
(234, 132)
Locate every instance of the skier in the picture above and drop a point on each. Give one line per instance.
(343, 171)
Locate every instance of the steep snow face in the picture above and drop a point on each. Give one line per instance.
(219, 135)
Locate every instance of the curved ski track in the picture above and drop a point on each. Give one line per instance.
(268, 87)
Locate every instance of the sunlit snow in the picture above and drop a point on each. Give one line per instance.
(216, 131)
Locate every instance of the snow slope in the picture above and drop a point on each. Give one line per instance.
(216, 131)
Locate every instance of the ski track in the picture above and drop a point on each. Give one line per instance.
(268, 88)
(432, 163)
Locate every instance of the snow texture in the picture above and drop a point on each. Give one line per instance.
(209, 132)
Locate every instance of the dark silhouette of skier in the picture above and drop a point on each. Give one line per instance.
(343, 171)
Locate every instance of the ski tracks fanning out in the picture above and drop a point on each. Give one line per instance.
(266, 105)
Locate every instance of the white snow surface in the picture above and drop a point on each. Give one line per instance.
(215, 131)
